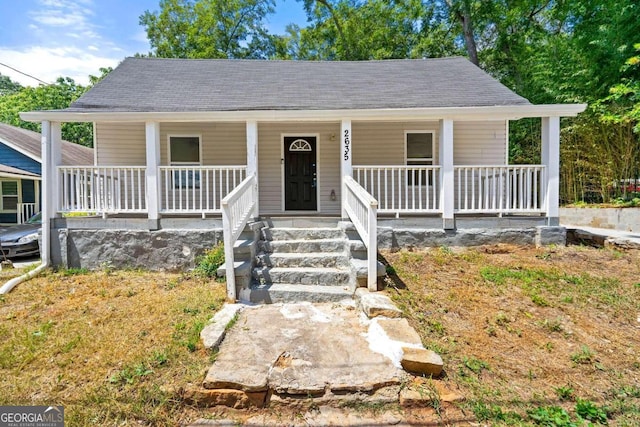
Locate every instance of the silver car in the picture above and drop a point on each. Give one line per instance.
(22, 239)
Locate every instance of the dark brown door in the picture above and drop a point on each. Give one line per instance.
(300, 173)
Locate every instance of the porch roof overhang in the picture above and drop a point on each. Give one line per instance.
(498, 112)
(15, 173)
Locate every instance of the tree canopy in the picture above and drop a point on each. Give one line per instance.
(49, 97)
(549, 51)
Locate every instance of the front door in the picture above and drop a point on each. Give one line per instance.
(300, 173)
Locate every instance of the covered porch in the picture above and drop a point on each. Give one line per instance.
(365, 192)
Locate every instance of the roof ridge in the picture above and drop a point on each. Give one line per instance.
(301, 61)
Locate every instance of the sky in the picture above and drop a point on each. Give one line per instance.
(48, 39)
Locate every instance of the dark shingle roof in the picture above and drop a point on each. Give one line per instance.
(30, 142)
(170, 85)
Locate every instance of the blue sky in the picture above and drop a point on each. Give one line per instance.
(75, 38)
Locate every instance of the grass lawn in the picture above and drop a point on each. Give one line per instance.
(114, 348)
(529, 336)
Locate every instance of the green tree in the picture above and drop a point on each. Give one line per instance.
(47, 97)
(209, 29)
(55, 96)
(8, 86)
(376, 29)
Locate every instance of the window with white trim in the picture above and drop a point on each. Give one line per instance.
(184, 150)
(419, 152)
(9, 196)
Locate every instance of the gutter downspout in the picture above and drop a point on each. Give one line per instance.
(47, 174)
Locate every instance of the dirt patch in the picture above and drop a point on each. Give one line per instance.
(521, 329)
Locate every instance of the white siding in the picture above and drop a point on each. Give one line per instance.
(480, 143)
(222, 143)
(382, 143)
(270, 151)
(124, 143)
(120, 144)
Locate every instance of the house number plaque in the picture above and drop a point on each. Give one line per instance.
(347, 144)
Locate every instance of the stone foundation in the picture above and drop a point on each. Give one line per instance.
(159, 250)
(178, 249)
(399, 238)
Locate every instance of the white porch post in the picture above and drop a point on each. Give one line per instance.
(252, 159)
(51, 159)
(445, 150)
(346, 168)
(551, 160)
(47, 194)
(152, 130)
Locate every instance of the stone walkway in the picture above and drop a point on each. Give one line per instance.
(316, 355)
(605, 236)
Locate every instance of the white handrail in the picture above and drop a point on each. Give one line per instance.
(26, 211)
(237, 208)
(401, 189)
(102, 189)
(500, 188)
(362, 209)
(197, 189)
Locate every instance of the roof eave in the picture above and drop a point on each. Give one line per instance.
(498, 112)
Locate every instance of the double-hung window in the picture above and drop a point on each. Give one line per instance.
(185, 150)
(419, 152)
(9, 196)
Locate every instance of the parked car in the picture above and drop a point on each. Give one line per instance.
(22, 239)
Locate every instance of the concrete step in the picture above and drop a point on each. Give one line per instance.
(303, 245)
(244, 249)
(302, 233)
(303, 259)
(359, 266)
(301, 222)
(286, 292)
(303, 276)
(242, 271)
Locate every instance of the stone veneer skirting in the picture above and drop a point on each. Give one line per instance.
(178, 249)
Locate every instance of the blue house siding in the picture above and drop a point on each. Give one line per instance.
(28, 191)
(11, 157)
(8, 218)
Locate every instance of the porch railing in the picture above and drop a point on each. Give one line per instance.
(362, 210)
(102, 189)
(237, 207)
(26, 211)
(401, 189)
(500, 189)
(188, 189)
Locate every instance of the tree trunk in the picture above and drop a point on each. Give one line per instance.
(463, 15)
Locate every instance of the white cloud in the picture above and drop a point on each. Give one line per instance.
(50, 63)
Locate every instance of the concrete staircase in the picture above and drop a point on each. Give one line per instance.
(317, 260)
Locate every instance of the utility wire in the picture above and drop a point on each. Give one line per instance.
(24, 74)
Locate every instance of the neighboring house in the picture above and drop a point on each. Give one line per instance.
(20, 169)
(425, 141)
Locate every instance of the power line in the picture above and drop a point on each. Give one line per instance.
(24, 74)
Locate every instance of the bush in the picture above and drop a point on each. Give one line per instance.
(210, 261)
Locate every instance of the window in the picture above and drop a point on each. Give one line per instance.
(419, 153)
(185, 151)
(9, 196)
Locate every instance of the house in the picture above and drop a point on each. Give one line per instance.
(20, 169)
(403, 150)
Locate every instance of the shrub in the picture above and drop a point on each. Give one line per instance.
(210, 261)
